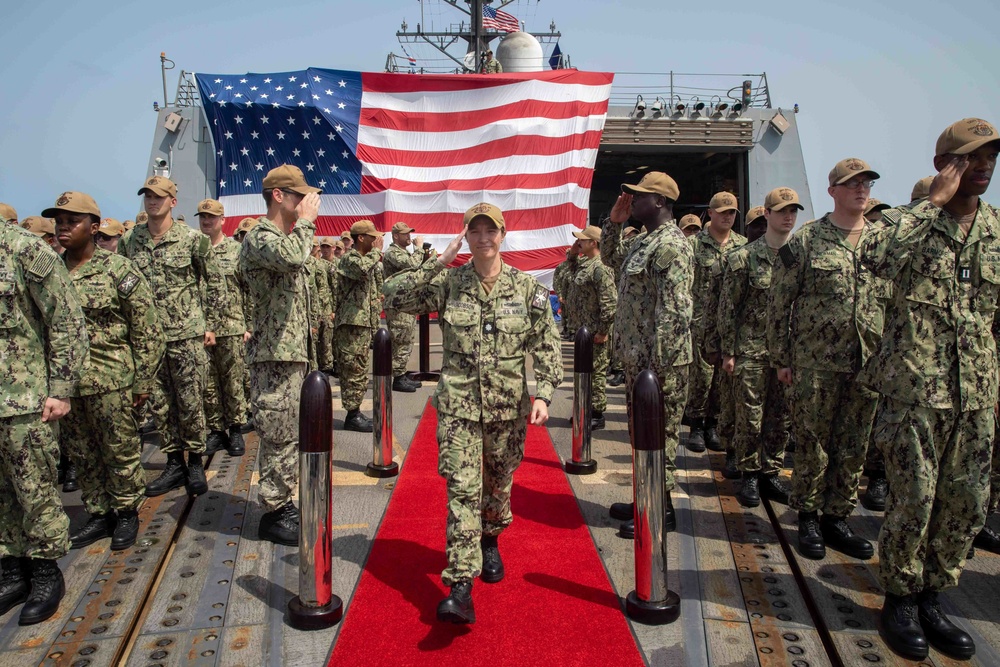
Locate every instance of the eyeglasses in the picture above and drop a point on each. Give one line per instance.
(854, 185)
(102, 237)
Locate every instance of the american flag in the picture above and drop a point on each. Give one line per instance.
(417, 148)
(499, 20)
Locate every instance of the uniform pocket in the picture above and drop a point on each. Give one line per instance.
(461, 330)
(830, 274)
(8, 304)
(511, 334)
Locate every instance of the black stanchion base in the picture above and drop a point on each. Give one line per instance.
(653, 613)
(314, 618)
(581, 467)
(429, 376)
(390, 470)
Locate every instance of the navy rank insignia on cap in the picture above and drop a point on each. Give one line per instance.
(982, 129)
(205, 206)
(63, 199)
(786, 194)
(481, 208)
(855, 164)
(153, 181)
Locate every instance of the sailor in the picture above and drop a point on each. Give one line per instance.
(321, 304)
(492, 318)
(873, 210)
(8, 213)
(490, 64)
(560, 284)
(272, 263)
(596, 300)
(760, 407)
(246, 224)
(109, 233)
(936, 368)
(128, 224)
(45, 348)
(756, 223)
(225, 401)
(346, 239)
(824, 322)
(43, 228)
(612, 256)
(327, 253)
(398, 258)
(690, 224)
(126, 346)
(189, 292)
(653, 319)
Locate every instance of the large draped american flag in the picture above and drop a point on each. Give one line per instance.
(420, 149)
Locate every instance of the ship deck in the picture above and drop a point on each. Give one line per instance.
(199, 588)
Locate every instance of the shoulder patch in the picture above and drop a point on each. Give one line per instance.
(787, 256)
(665, 257)
(540, 300)
(42, 266)
(127, 284)
(737, 261)
(892, 216)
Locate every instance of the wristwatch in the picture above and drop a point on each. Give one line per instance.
(546, 401)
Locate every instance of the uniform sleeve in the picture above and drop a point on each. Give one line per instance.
(611, 244)
(608, 299)
(673, 273)
(710, 323)
(146, 337)
(417, 292)
(50, 289)
(354, 266)
(213, 282)
(889, 249)
(732, 294)
(282, 253)
(543, 344)
(782, 294)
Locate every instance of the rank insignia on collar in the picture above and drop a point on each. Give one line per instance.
(964, 274)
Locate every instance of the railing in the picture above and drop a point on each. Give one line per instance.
(667, 90)
(187, 91)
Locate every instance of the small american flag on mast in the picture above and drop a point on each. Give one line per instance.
(499, 20)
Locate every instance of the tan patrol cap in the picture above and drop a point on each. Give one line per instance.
(346, 234)
(315, 242)
(246, 224)
(848, 169)
(922, 188)
(402, 228)
(364, 227)
(160, 186)
(326, 241)
(73, 202)
(755, 214)
(723, 201)
(629, 232)
(210, 207)
(656, 182)
(39, 226)
(780, 198)
(689, 220)
(142, 218)
(965, 136)
(7, 212)
(128, 224)
(338, 244)
(486, 210)
(111, 227)
(288, 177)
(590, 233)
(875, 205)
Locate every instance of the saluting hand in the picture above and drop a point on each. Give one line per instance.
(308, 208)
(622, 210)
(451, 252)
(945, 184)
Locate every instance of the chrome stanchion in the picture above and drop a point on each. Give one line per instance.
(315, 607)
(651, 603)
(583, 369)
(382, 464)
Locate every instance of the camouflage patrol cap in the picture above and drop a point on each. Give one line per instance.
(160, 186)
(965, 136)
(656, 182)
(142, 218)
(875, 205)
(364, 227)
(402, 228)
(327, 241)
(689, 220)
(780, 198)
(210, 207)
(39, 226)
(111, 227)
(246, 224)
(922, 188)
(7, 212)
(73, 202)
(486, 211)
(755, 214)
(723, 201)
(288, 177)
(589, 233)
(847, 169)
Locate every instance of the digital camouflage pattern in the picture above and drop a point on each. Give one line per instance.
(596, 299)
(761, 415)
(272, 265)
(354, 352)
(275, 388)
(477, 461)
(125, 337)
(359, 298)
(741, 317)
(225, 395)
(179, 396)
(401, 325)
(562, 284)
(486, 338)
(232, 319)
(99, 436)
(320, 308)
(189, 289)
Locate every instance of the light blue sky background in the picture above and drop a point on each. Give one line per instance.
(876, 80)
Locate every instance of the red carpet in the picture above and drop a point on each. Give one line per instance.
(555, 606)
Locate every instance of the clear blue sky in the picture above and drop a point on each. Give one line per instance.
(875, 80)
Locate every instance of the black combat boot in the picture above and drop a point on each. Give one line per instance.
(492, 563)
(811, 542)
(669, 516)
(696, 436)
(248, 426)
(901, 628)
(15, 582)
(61, 469)
(749, 493)
(877, 492)
(729, 470)
(47, 590)
(173, 476)
(616, 378)
(942, 634)
(838, 535)
(773, 488)
(97, 527)
(196, 483)
(622, 511)
(147, 427)
(281, 526)
(712, 436)
(70, 481)
(215, 442)
(596, 420)
(987, 539)
(457, 607)
(236, 447)
(356, 421)
(126, 530)
(627, 530)
(401, 383)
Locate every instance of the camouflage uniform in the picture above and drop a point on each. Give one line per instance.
(562, 284)
(189, 294)
(760, 408)
(401, 325)
(227, 366)
(597, 299)
(320, 303)
(359, 306)
(937, 371)
(482, 398)
(612, 255)
(824, 321)
(43, 347)
(272, 265)
(654, 320)
(126, 346)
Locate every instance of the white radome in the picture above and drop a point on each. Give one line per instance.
(520, 52)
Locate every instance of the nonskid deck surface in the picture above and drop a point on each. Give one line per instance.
(199, 588)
